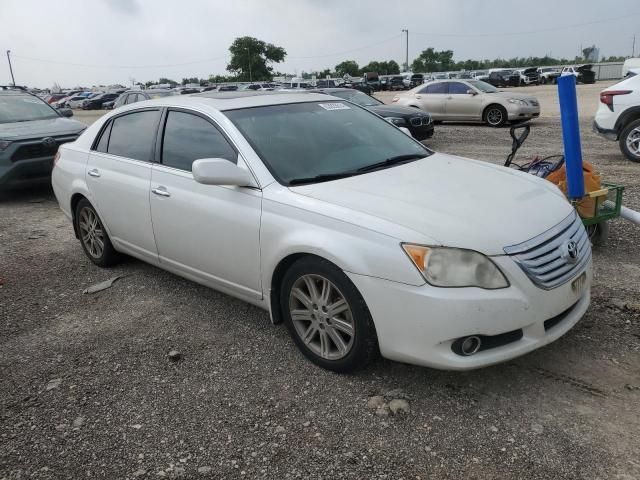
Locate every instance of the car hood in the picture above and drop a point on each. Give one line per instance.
(40, 128)
(451, 201)
(388, 110)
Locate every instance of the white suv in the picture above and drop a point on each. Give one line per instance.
(618, 117)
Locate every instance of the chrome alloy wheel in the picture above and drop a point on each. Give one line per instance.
(322, 317)
(633, 141)
(91, 232)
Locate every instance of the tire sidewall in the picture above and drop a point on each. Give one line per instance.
(504, 115)
(623, 140)
(109, 254)
(364, 342)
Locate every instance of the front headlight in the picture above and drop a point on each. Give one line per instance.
(396, 121)
(517, 101)
(454, 267)
(4, 144)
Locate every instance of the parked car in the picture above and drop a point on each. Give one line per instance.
(630, 66)
(95, 103)
(548, 74)
(326, 83)
(372, 79)
(356, 236)
(618, 116)
(30, 133)
(414, 80)
(227, 88)
(417, 122)
(583, 73)
(362, 87)
(395, 83)
(54, 97)
(133, 96)
(482, 75)
(258, 86)
(529, 76)
(503, 78)
(76, 101)
(470, 100)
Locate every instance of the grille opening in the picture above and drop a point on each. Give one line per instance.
(554, 321)
(37, 150)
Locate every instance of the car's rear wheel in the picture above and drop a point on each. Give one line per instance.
(495, 115)
(326, 316)
(630, 141)
(93, 236)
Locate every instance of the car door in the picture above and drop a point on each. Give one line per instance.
(431, 98)
(119, 176)
(208, 233)
(461, 105)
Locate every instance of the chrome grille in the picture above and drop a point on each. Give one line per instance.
(545, 258)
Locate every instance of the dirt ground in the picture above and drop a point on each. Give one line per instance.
(87, 389)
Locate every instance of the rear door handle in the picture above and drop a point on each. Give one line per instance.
(161, 191)
(93, 173)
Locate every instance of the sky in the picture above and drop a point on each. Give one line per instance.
(94, 42)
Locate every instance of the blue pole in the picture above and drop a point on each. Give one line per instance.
(571, 136)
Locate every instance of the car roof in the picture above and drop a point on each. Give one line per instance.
(334, 89)
(243, 99)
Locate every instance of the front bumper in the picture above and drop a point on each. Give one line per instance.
(25, 172)
(522, 112)
(422, 132)
(419, 325)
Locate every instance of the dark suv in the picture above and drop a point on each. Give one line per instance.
(30, 133)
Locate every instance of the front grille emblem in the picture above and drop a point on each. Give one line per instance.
(570, 251)
(49, 142)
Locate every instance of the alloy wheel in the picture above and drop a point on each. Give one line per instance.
(322, 317)
(494, 116)
(91, 232)
(633, 141)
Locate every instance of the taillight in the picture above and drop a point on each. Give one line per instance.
(56, 158)
(606, 97)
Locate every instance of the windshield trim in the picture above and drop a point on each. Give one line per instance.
(268, 166)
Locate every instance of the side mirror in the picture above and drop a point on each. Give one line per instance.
(66, 112)
(472, 92)
(218, 171)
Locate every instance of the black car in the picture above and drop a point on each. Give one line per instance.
(395, 83)
(227, 88)
(96, 102)
(504, 78)
(419, 123)
(363, 87)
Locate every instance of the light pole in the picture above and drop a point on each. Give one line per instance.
(249, 62)
(406, 61)
(11, 68)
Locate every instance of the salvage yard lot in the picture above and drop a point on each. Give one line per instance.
(87, 389)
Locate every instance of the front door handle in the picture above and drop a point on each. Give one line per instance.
(418, 96)
(161, 191)
(93, 173)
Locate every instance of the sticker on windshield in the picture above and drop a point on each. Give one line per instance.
(335, 106)
(31, 100)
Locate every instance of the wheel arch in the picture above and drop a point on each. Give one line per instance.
(626, 117)
(75, 199)
(493, 104)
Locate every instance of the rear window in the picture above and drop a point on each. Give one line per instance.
(133, 135)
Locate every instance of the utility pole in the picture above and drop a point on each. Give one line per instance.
(406, 53)
(633, 48)
(249, 62)
(10, 68)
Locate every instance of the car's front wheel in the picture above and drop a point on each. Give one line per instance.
(326, 316)
(630, 141)
(93, 236)
(495, 115)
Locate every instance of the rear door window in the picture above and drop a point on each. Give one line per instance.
(133, 135)
(458, 88)
(435, 88)
(189, 137)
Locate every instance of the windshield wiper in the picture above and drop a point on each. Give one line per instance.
(391, 161)
(325, 177)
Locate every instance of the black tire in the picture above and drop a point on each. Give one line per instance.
(363, 344)
(543, 80)
(598, 233)
(495, 115)
(632, 130)
(108, 256)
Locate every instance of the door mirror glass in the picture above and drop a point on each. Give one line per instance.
(218, 171)
(472, 92)
(66, 112)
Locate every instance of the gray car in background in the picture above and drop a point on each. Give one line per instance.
(30, 133)
(470, 100)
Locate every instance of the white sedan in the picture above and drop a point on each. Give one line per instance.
(359, 238)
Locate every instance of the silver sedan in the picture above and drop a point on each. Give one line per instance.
(470, 100)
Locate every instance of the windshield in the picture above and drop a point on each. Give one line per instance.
(304, 140)
(484, 87)
(357, 97)
(24, 108)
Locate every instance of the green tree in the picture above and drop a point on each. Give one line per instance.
(383, 68)
(432, 61)
(251, 59)
(173, 83)
(348, 67)
(190, 80)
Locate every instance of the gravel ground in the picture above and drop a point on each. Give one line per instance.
(87, 389)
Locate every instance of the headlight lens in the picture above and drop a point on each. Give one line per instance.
(517, 101)
(4, 144)
(454, 267)
(396, 121)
